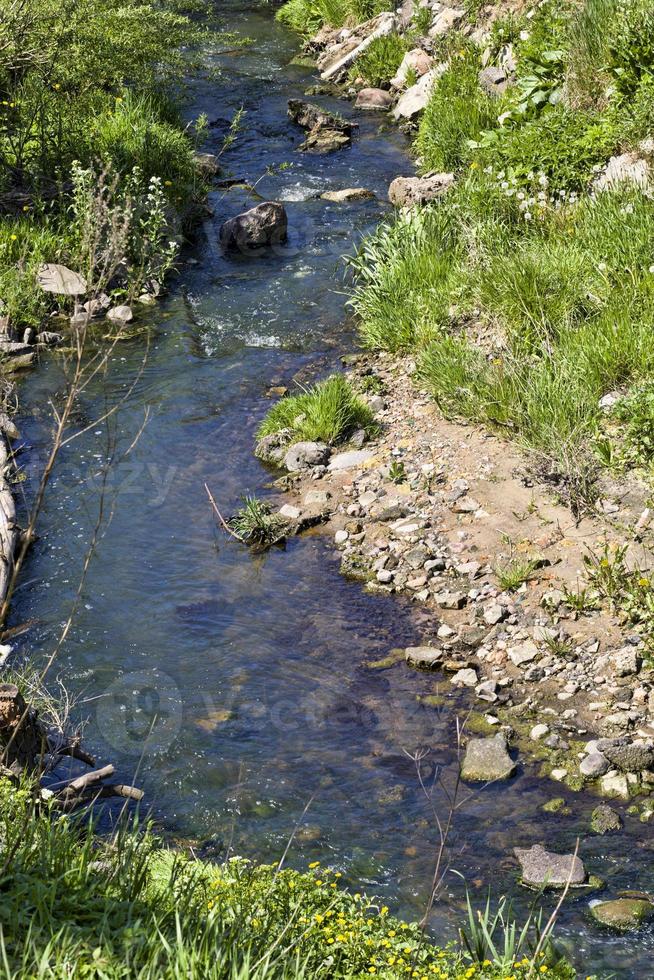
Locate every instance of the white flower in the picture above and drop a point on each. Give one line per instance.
(520, 196)
(500, 175)
(527, 215)
(651, 269)
(504, 184)
(602, 267)
(524, 35)
(542, 180)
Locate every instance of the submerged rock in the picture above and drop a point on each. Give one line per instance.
(406, 192)
(348, 194)
(424, 658)
(623, 914)
(604, 819)
(487, 759)
(266, 224)
(544, 868)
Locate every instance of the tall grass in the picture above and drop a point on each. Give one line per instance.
(305, 17)
(380, 61)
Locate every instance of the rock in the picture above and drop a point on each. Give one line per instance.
(615, 785)
(627, 168)
(594, 766)
(317, 498)
(416, 62)
(207, 165)
(486, 760)
(541, 868)
(622, 914)
(538, 732)
(312, 117)
(405, 192)
(58, 279)
(445, 20)
(487, 691)
(264, 225)
(413, 101)
(424, 658)
(289, 512)
(524, 653)
(451, 600)
(494, 81)
(604, 819)
(305, 455)
(625, 661)
(629, 757)
(559, 774)
(373, 99)
(346, 461)
(47, 338)
(348, 194)
(341, 536)
(465, 678)
(324, 141)
(272, 448)
(494, 613)
(120, 314)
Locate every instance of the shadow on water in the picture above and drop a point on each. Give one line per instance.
(250, 680)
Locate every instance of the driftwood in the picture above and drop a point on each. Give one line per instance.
(25, 742)
(8, 526)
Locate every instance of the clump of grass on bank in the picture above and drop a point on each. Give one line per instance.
(380, 61)
(256, 525)
(76, 904)
(306, 17)
(329, 412)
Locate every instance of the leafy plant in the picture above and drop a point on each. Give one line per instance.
(514, 573)
(397, 472)
(330, 412)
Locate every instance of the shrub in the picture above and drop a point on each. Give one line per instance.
(328, 412)
(456, 113)
(380, 61)
(256, 524)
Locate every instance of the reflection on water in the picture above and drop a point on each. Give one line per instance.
(243, 687)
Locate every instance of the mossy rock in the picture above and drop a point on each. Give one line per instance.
(604, 819)
(557, 805)
(622, 914)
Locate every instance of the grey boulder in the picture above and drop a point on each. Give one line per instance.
(544, 868)
(306, 455)
(406, 192)
(265, 225)
(487, 759)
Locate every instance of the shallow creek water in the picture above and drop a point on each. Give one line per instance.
(248, 679)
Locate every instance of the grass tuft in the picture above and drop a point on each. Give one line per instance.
(329, 412)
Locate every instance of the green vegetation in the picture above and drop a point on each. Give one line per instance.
(514, 573)
(524, 297)
(256, 525)
(305, 17)
(329, 412)
(380, 61)
(77, 904)
(89, 126)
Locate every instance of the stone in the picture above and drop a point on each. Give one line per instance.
(494, 613)
(406, 192)
(628, 757)
(341, 536)
(594, 766)
(494, 81)
(416, 62)
(348, 460)
(424, 658)
(324, 141)
(207, 164)
(317, 498)
(523, 654)
(487, 760)
(60, 280)
(539, 731)
(604, 819)
(541, 868)
(272, 448)
(559, 774)
(347, 195)
(615, 785)
(313, 117)
(374, 99)
(289, 512)
(625, 662)
(260, 227)
(451, 600)
(622, 914)
(465, 678)
(412, 102)
(120, 314)
(445, 20)
(487, 691)
(627, 168)
(306, 455)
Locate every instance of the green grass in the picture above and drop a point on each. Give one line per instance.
(380, 61)
(256, 525)
(124, 907)
(306, 17)
(329, 412)
(515, 572)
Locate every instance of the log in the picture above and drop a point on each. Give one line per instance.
(8, 526)
(82, 783)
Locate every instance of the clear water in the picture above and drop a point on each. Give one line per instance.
(239, 687)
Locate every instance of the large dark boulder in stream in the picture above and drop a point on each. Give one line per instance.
(265, 225)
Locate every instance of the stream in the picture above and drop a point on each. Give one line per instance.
(240, 688)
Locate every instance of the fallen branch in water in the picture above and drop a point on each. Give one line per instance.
(220, 517)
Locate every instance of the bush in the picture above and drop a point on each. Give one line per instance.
(456, 113)
(328, 412)
(380, 61)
